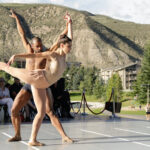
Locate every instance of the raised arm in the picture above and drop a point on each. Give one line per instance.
(67, 31)
(69, 23)
(64, 32)
(21, 32)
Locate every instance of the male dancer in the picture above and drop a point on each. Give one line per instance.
(25, 94)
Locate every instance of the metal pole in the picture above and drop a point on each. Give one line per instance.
(113, 114)
(83, 94)
(148, 94)
(83, 103)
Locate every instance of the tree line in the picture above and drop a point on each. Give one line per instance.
(78, 77)
(141, 86)
(89, 79)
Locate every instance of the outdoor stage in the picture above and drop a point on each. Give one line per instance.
(89, 133)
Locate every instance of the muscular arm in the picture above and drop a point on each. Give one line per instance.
(21, 32)
(30, 55)
(34, 55)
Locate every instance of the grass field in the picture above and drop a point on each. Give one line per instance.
(140, 112)
(77, 96)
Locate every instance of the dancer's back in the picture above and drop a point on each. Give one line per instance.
(55, 67)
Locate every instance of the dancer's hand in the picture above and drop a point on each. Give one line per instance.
(13, 14)
(67, 17)
(11, 60)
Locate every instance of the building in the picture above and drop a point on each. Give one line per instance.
(127, 73)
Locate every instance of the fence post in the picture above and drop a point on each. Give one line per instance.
(84, 105)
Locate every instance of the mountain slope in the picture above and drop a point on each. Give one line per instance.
(98, 40)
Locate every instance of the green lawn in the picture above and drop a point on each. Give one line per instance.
(130, 103)
(77, 96)
(142, 112)
(132, 112)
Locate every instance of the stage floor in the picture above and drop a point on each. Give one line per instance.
(89, 133)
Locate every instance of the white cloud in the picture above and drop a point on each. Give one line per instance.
(76, 5)
(129, 10)
(57, 1)
(132, 10)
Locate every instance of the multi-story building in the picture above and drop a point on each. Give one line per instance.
(127, 73)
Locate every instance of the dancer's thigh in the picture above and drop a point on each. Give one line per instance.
(49, 100)
(39, 96)
(21, 100)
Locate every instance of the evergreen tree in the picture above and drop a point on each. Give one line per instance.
(73, 76)
(143, 78)
(114, 83)
(99, 88)
(90, 75)
(68, 75)
(80, 78)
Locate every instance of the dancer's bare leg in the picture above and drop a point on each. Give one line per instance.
(35, 78)
(22, 74)
(54, 119)
(56, 123)
(20, 101)
(39, 96)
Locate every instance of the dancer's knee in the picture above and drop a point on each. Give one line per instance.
(52, 117)
(50, 113)
(14, 112)
(41, 114)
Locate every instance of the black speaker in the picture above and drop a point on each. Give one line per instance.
(109, 106)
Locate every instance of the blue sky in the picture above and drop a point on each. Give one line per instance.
(129, 10)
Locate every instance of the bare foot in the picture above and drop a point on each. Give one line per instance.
(14, 139)
(36, 143)
(67, 140)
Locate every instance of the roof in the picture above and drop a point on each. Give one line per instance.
(116, 68)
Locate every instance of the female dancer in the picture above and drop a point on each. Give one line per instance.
(40, 79)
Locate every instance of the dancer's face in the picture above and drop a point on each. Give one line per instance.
(37, 46)
(66, 47)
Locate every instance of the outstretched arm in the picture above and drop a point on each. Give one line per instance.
(30, 55)
(21, 32)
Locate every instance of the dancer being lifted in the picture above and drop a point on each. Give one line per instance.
(43, 78)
